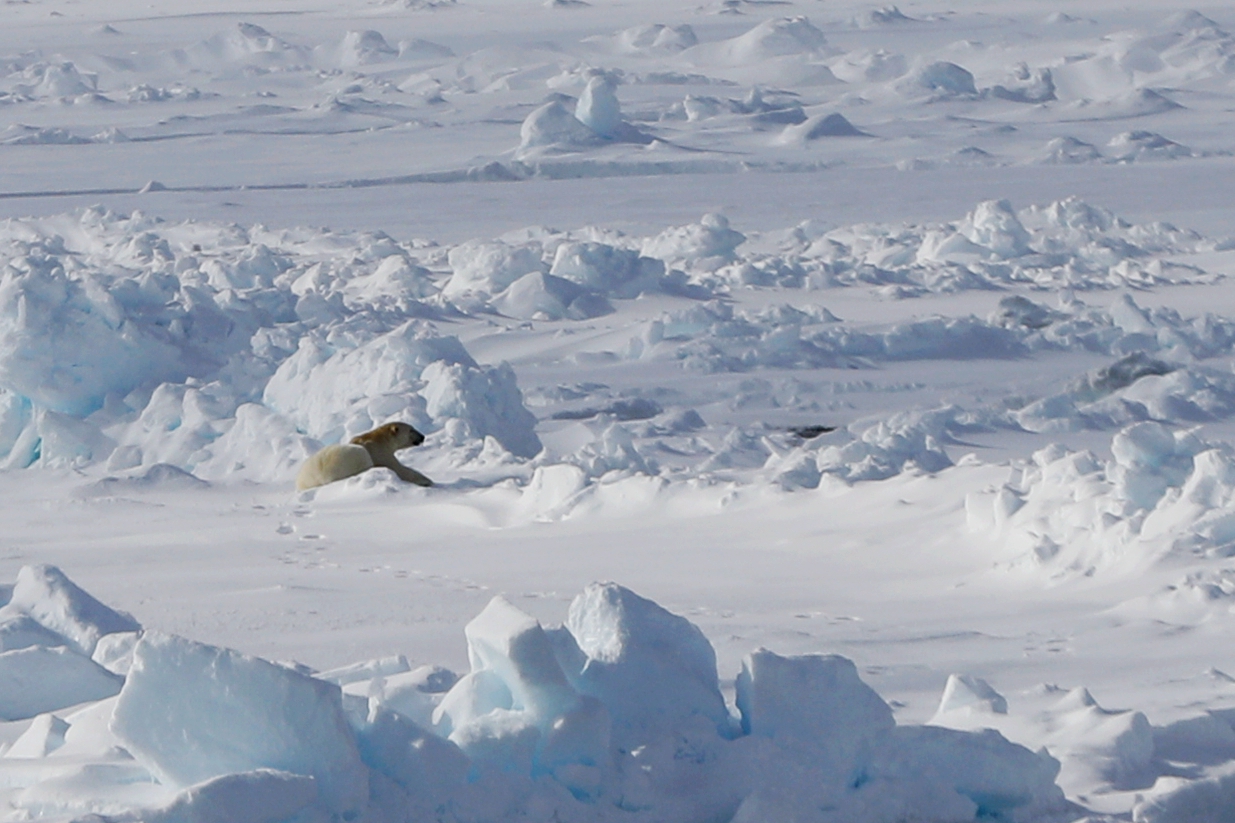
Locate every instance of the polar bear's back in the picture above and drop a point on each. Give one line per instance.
(333, 463)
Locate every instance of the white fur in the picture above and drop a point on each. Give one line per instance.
(333, 463)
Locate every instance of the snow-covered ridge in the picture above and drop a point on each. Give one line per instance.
(616, 715)
(1163, 494)
(232, 352)
(663, 104)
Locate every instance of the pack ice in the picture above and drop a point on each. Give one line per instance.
(997, 429)
(615, 715)
(232, 352)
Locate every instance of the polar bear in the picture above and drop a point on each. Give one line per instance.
(364, 452)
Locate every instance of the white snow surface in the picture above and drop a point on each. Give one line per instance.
(882, 356)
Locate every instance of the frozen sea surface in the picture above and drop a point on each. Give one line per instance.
(830, 408)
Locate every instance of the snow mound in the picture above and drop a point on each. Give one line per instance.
(606, 269)
(43, 736)
(887, 448)
(940, 79)
(556, 127)
(337, 392)
(258, 796)
(489, 267)
(539, 296)
(707, 245)
(1162, 494)
(1068, 150)
(820, 126)
(247, 45)
(1132, 146)
(774, 37)
(1025, 85)
(1094, 746)
(54, 80)
(648, 40)
(362, 48)
(866, 65)
(883, 16)
(1207, 800)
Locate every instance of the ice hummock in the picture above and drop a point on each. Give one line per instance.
(45, 594)
(238, 359)
(619, 706)
(189, 713)
(625, 643)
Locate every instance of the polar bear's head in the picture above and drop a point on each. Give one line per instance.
(392, 436)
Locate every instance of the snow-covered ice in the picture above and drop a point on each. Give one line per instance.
(880, 356)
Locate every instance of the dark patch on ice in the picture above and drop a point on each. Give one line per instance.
(811, 432)
(638, 408)
(1122, 373)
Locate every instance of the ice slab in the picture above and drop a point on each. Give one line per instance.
(46, 594)
(652, 669)
(191, 712)
(818, 700)
(39, 679)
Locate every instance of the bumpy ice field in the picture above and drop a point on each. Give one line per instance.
(830, 411)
